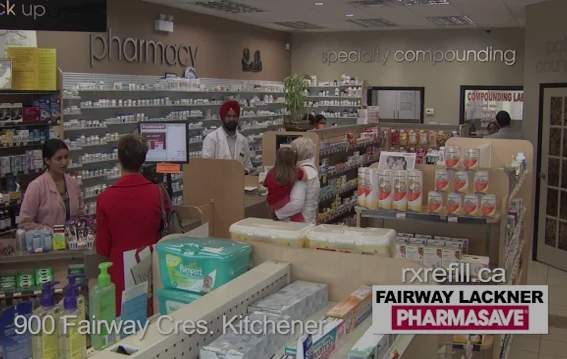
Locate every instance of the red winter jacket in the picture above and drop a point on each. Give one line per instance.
(128, 216)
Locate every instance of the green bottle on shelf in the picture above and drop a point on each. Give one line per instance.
(102, 307)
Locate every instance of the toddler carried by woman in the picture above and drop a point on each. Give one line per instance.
(280, 179)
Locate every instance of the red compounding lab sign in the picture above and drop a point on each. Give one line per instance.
(460, 310)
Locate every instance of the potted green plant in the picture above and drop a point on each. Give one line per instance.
(294, 90)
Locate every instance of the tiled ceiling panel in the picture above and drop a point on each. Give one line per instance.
(332, 15)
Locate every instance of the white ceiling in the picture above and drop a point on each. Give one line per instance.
(331, 16)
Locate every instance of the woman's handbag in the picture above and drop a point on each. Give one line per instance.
(170, 222)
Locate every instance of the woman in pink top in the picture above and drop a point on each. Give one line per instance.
(54, 197)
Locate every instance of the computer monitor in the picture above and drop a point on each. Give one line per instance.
(167, 141)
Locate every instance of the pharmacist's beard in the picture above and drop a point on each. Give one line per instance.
(230, 126)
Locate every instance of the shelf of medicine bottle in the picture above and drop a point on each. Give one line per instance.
(45, 257)
(424, 217)
(28, 92)
(22, 146)
(176, 105)
(333, 86)
(4, 125)
(89, 146)
(187, 92)
(335, 106)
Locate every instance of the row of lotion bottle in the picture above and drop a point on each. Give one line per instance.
(102, 307)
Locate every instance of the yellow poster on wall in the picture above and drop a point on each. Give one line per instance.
(33, 68)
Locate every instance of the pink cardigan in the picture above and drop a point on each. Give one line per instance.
(43, 205)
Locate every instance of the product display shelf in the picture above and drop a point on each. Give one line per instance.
(331, 147)
(27, 119)
(274, 268)
(144, 88)
(384, 214)
(319, 94)
(504, 151)
(43, 257)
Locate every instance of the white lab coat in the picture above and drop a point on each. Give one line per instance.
(304, 196)
(215, 146)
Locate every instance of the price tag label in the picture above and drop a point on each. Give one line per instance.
(453, 219)
(401, 215)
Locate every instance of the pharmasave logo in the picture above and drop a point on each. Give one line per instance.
(460, 309)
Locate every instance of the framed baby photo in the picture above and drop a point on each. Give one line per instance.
(5, 74)
(396, 161)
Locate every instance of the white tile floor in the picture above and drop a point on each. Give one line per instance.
(554, 344)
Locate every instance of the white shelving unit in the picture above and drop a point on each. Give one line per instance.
(101, 103)
(338, 102)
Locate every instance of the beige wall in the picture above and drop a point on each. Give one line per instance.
(220, 43)
(442, 81)
(546, 29)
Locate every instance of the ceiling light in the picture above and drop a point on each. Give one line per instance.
(299, 25)
(349, 14)
(373, 23)
(451, 20)
(318, 3)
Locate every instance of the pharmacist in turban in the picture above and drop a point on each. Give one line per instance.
(226, 143)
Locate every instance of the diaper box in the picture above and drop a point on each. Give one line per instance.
(199, 265)
(171, 299)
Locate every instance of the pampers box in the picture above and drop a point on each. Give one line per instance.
(200, 265)
(289, 234)
(171, 299)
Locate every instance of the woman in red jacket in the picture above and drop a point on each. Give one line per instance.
(128, 214)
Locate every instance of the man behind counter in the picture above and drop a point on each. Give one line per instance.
(226, 142)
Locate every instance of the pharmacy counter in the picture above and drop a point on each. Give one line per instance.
(255, 206)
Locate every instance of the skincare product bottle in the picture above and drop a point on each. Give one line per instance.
(103, 306)
(72, 344)
(45, 343)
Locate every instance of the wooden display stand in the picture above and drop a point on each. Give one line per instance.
(218, 185)
(487, 235)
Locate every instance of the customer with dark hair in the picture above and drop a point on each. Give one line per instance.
(129, 213)
(320, 122)
(54, 197)
(504, 124)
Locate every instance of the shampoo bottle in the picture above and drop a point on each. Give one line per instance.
(80, 298)
(45, 343)
(72, 344)
(102, 307)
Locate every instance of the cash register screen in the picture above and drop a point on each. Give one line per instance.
(167, 142)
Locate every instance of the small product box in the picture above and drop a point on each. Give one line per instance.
(243, 344)
(488, 205)
(476, 263)
(401, 244)
(441, 180)
(8, 283)
(318, 346)
(25, 281)
(481, 181)
(461, 181)
(297, 300)
(471, 205)
(432, 256)
(414, 252)
(435, 202)
(450, 255)
(370, 346)
(454, 204)
(354, 309)
(59, 238)
(43, 275)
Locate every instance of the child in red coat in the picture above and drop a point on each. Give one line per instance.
(280, 180)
